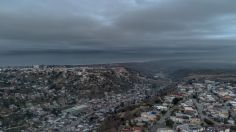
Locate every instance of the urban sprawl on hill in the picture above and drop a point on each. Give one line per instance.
(113, 98)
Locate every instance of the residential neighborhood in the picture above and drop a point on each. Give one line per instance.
(207, 106)
(105, 98)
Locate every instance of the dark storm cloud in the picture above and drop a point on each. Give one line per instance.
(187, 17)
(93, 24)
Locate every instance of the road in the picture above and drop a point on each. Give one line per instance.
(161, 123)
(200, 109)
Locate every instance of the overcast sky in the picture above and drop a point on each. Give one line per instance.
(38, 25)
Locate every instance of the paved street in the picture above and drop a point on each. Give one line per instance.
(200, 109)
(161, 122)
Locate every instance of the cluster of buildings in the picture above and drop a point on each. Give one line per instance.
(65, 98)
(186, 117)
(148, 120)
(204, 106)
(218, 101)
(99, 109)
(145, 119)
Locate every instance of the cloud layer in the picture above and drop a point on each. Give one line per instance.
(109, 24)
